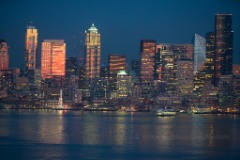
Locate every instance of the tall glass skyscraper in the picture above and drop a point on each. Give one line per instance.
(53, 58)
(199, 52)
(4, 56)
(92, 52)
(198, 64)
(223, 45)
(31, 42)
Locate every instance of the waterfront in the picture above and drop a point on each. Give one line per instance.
(51, 134)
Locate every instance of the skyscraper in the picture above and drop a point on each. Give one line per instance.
(223, 45)
(147, 52)
(104, 71)
(210, 50)
(185, 77)
(198, 64)
(31, 42)
(53, 58)
(168, 70)
(4, 56)
(116, 63)
(157, 64)
(71, 67)
(124, 85)
(135, 66)
(147, 67)
(92, 52)
(199, 52)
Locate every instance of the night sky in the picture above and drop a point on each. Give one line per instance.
(122, 23)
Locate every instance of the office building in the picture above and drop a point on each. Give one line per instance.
(135, 67)
(4, 56)
(124, 85)
(92, 52)
(8, 80)
(53, 58)
(104, 71)
(71, 67)
(185, 77)
(31, 44)
(223, 45)
(182, 51)
(168, 71)
(116, 63)
(147, 54)
(199, 52)
(99, 88)
(210, 52)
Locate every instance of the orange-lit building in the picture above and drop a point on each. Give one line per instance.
(4, 56)
(92, 52)
(116, 63)
(147, 54)
(53, 58)
(31, 42)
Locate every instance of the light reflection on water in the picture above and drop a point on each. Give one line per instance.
(81, 134)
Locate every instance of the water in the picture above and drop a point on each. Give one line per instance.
(49, 134)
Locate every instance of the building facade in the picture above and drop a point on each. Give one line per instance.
(124, 85)
(185, 77)
(53, 58)
(147, 54)
(199, 52)
(71, 67)
(116, 63)
(4, 56)
(223, 45)
(92, 52)
(31, 44)
(135, 66)
(210, 52)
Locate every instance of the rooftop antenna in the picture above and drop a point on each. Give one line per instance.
(74, 46)
(31, 23)
(81, 45)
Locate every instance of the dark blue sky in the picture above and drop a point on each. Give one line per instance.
(122, 23)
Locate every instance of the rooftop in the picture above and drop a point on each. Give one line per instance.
(92, 28)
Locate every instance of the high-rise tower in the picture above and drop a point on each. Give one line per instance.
(4, 56)
(31, 41)
(147, 54)
(223, 45)
(53, 58)
(116, 63)
(199, 52)
(210, 50)
(92, 52)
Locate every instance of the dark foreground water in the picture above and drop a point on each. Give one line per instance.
(48, 134)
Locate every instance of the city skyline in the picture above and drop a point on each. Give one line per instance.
(121, 24)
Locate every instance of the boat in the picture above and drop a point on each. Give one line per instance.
(201, 111)
(161, 112)
(183, 111)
